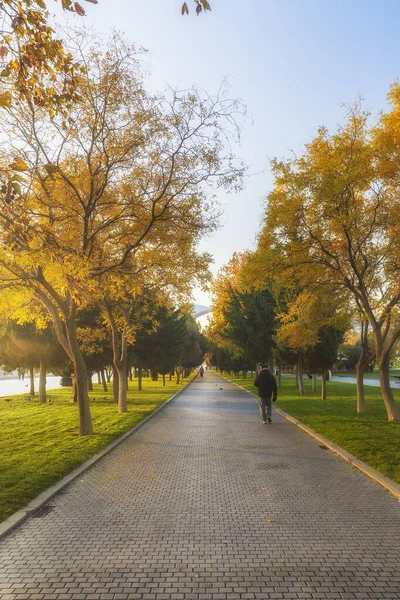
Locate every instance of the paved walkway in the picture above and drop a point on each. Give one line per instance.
(205, 503)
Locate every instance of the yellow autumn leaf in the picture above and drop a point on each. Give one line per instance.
(19, 165)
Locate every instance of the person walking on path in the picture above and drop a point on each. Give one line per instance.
(201, 371)
(267, 392)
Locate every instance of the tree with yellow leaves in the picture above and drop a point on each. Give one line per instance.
(332, 222)
(105, 184)
(163, 273)
(308, 326)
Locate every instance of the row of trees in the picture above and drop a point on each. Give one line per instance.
(328, 249)
(168, 341)
(103, 205)
(252, 324)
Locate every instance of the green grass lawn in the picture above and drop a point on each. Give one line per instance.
(369, 436)
(40, 443)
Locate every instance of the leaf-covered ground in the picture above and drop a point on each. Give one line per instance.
(40, 443)
(369, 436)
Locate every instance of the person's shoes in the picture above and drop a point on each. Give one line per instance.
(263, 422)
(269, 420)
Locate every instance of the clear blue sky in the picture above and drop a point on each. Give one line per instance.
(294, 63)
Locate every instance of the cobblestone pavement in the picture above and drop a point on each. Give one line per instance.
(203, 502)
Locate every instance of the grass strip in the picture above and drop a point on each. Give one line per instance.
(370, 437)
(40, 443)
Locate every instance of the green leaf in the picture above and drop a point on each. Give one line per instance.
(51, 168)
(6, 72)
(185, 9)
(205, 4)
(5, 100)
(16, 187)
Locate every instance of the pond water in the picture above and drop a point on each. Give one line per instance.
(367, 381)
(8, 387)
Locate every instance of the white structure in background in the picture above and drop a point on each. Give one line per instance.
(199, 311)
(201, 315)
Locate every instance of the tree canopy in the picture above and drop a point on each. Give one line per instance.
(113, 196)
(332, 223)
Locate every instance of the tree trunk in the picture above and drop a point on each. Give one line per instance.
(170, 376)
(80, 371)
(98, 377)
(42, 381)
(90, 382)
(139, 381)
(314, 382)
(108, 375)
(120, 358)
(154, 374)
(280, 377)
(299, 373)
(130, 374)
(103, 380)
(31, 382)
(360, 368)
(115, 383)
(85, 419)
(122, 388)
(163, 380)
(271, 363)
(323, 386)
(81, 380)
(388, 398)
(383, 346)
(366, 356)
(65, 327)
(74, 397)
(178, 375)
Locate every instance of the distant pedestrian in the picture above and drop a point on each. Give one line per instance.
(201, 371)
(267, 392)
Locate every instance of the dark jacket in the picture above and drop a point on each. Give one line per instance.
(266, 384)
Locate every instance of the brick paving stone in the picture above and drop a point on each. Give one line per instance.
(205, 503)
